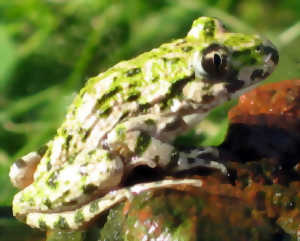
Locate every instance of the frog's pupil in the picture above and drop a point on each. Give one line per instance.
(217, 61)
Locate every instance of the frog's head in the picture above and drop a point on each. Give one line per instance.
(228, 63)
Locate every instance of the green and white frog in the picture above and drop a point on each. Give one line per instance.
(129, 116)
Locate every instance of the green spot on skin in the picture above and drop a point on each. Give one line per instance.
(143, 107)
(86, 134)
(71, 159)
(237, 39)
(49, 166)
(132, 72)
(48, 152)
(79, 218)
(242, 53)
(121, 131)
(47, 203)
(52, 180)
(133, 94)
(171, 60)
(104, 102)
(209, 28)
(81, 132)
(67, 142)
(124, 115)
(155, 79)
(78, 100)
(90, 188)
(61, 223)
(42, 224)
(142, 143)
(91, 153)
(63, 131)
(175, 91)
(31, 201)
(206, 26)
(150, 122)
(94, 207)
(246, 56)
(187, 48)
(105, 112)
(42, 150)
(108, 157)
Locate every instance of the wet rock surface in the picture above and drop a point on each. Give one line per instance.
(189, 215)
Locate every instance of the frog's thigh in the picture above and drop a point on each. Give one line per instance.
(76, 219)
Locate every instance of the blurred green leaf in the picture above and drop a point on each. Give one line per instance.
(13, 230)
(8, 56)
(6, 188)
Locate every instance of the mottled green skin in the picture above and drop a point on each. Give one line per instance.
(129, 116)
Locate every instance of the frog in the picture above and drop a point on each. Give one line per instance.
(129, 116)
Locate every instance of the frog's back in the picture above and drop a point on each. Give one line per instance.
(143, 79)
(128, 88)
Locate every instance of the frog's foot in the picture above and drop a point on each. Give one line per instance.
(79, 218)
(22, 170)
(202, 157)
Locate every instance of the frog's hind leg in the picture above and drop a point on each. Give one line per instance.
(22, 170)
(81, 217)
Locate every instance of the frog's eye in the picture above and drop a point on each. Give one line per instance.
(215, 60)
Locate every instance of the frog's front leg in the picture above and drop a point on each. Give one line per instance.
(142, 142)
(207, 157)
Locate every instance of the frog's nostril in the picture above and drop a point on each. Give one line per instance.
(270, 50)
(272, 53)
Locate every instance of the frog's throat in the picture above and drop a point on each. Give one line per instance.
(79, 218)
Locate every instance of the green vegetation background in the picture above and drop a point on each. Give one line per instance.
(49, 48)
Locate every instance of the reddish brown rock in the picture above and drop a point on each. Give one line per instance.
(273, 104)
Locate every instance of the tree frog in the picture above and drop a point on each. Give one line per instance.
(129, 116)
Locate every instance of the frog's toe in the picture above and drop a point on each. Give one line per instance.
(22, 170)
(206, 157)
